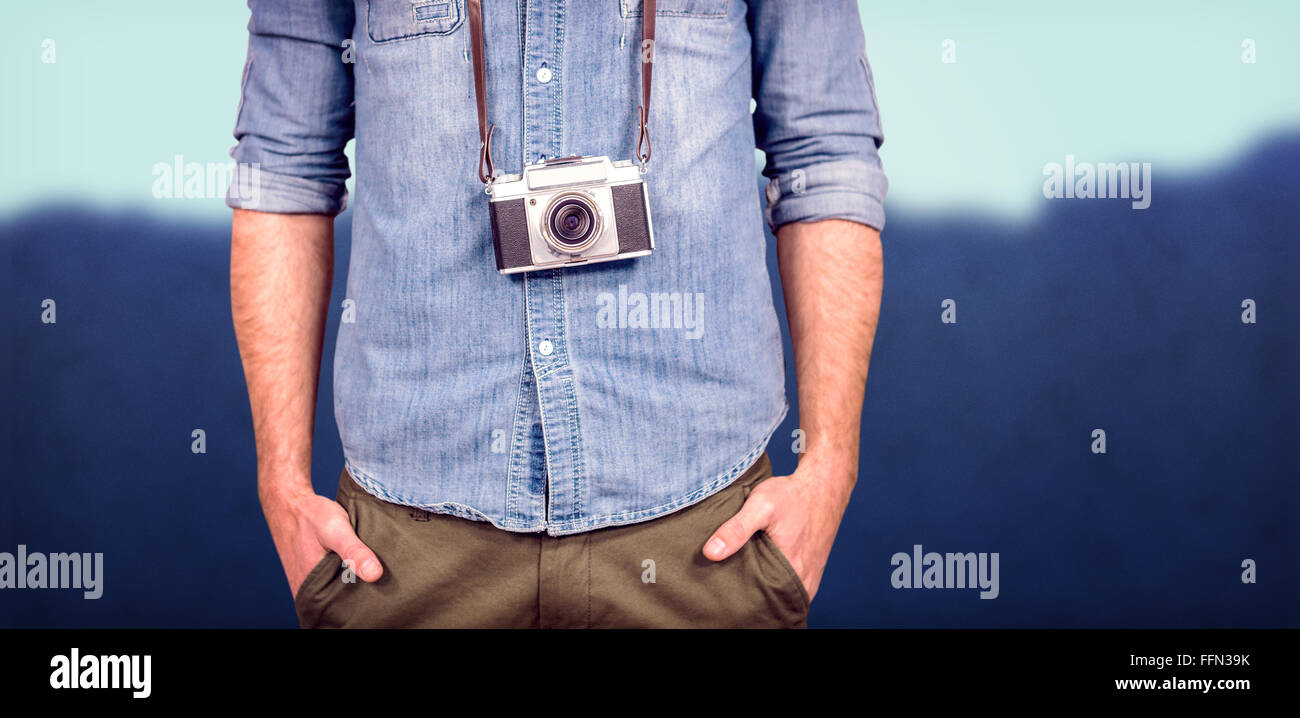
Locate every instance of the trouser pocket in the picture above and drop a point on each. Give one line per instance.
(308, 601)
(788, 578)
(654, 574)
(318, 590)
(787, 595)
(439, 571)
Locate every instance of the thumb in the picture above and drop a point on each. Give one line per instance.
(730, 536)
(342, 540)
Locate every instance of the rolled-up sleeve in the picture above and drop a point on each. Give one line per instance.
(816, 116)
(295, 110)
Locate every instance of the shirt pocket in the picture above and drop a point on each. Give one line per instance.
(393, 20)
(683, 8)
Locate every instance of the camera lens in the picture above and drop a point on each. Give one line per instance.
(572, 222)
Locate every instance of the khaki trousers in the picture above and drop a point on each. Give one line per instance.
(444, 571)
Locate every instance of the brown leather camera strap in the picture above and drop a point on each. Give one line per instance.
(647, 64)
(485, 129)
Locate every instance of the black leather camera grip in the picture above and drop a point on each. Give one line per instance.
(510, 234)
(631, 217)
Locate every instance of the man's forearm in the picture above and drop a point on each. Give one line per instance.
(281, 267)
(832, 275)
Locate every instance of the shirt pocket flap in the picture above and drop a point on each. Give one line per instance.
(688, 8)
(391, 20)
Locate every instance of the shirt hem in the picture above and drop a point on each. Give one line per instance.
(563, 528)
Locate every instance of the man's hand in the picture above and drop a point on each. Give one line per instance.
(832, 275)
(800, 512)
(305, 527)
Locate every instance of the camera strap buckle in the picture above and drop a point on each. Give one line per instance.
(486, 171)
(642, 138)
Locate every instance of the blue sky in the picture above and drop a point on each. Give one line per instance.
(135, 84)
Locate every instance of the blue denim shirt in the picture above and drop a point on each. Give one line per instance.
(560, 400)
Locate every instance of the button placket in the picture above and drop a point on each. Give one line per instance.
(544, 290)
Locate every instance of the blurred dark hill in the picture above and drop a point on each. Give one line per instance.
(976, 435)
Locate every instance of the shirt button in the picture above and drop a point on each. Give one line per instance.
(543, 74)
(545, 347)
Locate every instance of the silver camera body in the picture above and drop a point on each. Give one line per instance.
(570, 211)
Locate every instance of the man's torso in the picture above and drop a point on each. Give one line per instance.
(656, 380)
